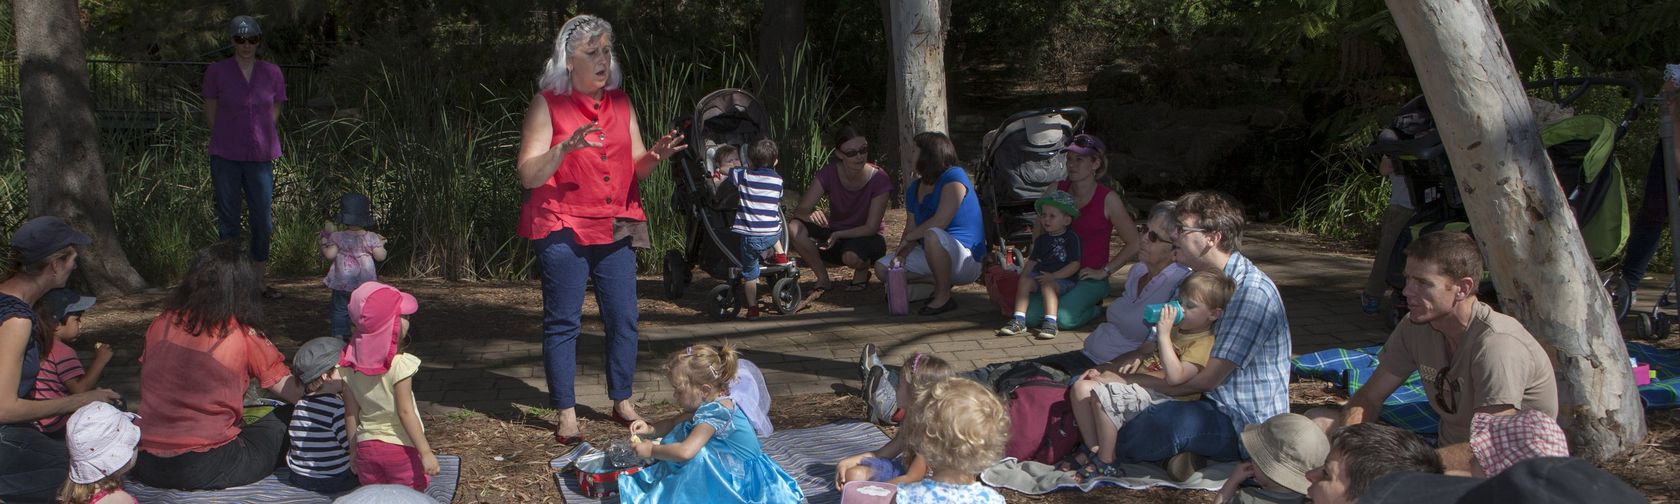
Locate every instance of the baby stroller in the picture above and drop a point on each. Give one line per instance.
(1582, 152)
(1021, 161)
(725, 117)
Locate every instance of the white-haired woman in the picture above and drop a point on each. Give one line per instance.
(580, 157)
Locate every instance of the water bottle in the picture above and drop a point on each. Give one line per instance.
(898, 295)
(1152, 313)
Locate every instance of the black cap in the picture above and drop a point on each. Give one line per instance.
(41, 237)
(61, 302)
(354, 209)
(1542, 480)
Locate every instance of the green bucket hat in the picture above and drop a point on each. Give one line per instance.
(1058, 199)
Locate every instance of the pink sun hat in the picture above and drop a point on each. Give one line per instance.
(377, 310)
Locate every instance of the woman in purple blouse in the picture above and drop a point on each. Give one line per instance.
(242, 98)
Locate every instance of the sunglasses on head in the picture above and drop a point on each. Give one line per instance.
(1152, 237)
(855, 152)
(247, 40)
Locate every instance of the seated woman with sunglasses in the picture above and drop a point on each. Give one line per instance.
(849, 232)
(1472, 359)
(1101, 215)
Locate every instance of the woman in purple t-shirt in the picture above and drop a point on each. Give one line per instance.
(242, 98)
(849, 232)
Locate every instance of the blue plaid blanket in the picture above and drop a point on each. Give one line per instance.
(1663, 392)
(1407, 408)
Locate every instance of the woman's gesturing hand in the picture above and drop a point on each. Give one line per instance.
(580, 139)
(667, 145)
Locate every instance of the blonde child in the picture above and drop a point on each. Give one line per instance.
(102, 441)
(1103, 401)
(353, 251)
(319, 456)
(896, 462)
(708, 453)
(959, 427)
(60, 312)
(1052, 265)
(390, 441)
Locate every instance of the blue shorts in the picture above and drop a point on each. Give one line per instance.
(883, 470)
(1062, 284)
(752, 252)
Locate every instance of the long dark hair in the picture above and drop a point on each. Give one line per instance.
(221, 284)
(935, 154)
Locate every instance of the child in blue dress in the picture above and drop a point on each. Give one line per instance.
(959, 427)
(708, 454)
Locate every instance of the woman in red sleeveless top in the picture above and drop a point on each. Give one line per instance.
(580, 158)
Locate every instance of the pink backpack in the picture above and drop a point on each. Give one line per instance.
(1041, 427)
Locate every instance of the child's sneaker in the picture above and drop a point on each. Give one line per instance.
(1369, 304)
(1014, 327)
(752, 313)
(1047, 330)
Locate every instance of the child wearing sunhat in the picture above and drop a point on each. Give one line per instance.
(319, 456)
(353, 251)
(1282, 450)
(1051, 265)
(390, 443)
(102, 441)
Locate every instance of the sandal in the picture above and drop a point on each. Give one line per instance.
(857, 285)
(1096, 468)
(1072, 462)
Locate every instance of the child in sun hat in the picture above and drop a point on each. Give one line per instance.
(1052, 264)
(101, 440)
(390, 443)
(319, 456)
(353, 250)
(59, 322)
(1283, 449)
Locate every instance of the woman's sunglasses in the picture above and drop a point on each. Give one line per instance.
(247, 40)
(1154, 238)
(854, 152)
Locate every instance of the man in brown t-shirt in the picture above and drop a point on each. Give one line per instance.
(1472, 359)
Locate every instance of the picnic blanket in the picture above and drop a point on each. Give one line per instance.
(807, 454)
(1033, 478)
(274, 489)
(1407, 408)
(1663, 392)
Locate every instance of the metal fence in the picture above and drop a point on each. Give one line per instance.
(140, 94)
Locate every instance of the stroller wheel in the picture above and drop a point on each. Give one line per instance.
(1642, 329)
(725, 305)
(1621, 297)
(675, 280)
(786, 295)
(1659, 325)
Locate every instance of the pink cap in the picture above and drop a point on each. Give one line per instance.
(376, 310)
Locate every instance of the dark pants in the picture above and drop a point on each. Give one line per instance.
(32, 465)
(340, 314)
(253, 455)
(1648, 224)
(239, 184)
(566, 268)
(1173, 427)
(343, 482)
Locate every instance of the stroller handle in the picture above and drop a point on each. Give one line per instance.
(1584, 84)
(1077, 113)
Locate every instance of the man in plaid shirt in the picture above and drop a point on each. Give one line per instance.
(1247, 379)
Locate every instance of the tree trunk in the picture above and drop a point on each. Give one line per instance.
(887, 127)
(1521, 218)
(780, 31)
(918, 46)
(60, 140)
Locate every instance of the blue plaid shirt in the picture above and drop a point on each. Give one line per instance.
(1254, 334)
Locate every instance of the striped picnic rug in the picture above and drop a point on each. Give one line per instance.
(274, 489)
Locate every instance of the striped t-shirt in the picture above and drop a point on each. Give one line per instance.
(319, 441)
(60, 366)
(761, 201)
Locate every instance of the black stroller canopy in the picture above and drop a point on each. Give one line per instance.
(730, 116)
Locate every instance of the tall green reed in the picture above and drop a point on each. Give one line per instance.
(1350, 200)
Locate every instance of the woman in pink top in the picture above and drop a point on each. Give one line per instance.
(850, 231)
(198, 358)
(1101, 213)
(242, 98)
(580, 157)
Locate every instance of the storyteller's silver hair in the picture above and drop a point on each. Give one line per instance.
(556, 77)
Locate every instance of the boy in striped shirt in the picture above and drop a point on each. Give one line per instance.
(319, 456)
(759, 220)
(60, 316)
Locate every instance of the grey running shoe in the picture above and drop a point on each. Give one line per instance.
(1047, 330)
(1014, 327)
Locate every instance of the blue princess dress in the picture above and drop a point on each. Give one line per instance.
(731, 467)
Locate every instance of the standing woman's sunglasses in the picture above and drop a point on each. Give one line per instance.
(247, 40)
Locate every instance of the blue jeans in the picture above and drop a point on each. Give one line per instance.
(339, 313)
(1172, 427)
(239, 184)
(752, 252)
(566, 267)
(32, 465)
(1648, 224)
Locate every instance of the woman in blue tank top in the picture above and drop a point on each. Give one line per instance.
(943, 238)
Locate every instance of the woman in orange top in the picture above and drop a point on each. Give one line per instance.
(199, 356)
(581, 156)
